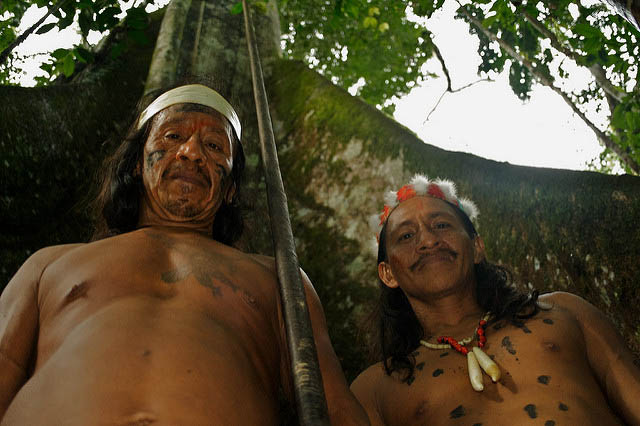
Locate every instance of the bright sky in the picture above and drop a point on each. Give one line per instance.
(486, 119)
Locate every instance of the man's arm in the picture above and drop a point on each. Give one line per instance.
(343, 407)
(608, 356)
(19, 324)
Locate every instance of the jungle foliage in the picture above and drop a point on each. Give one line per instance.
(382, 45)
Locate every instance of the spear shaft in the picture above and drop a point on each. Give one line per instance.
(311, 404)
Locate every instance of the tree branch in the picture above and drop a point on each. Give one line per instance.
(602, 136)
(453, 91)
(22, 37)
(596, 69)
(445, 70)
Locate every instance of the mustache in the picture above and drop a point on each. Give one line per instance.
(425, 256)
(178, 168)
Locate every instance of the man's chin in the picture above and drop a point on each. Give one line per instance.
(184, 210)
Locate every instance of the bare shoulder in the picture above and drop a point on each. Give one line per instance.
(366, 389)
(570, 302)
(32, 268)
(365, 384)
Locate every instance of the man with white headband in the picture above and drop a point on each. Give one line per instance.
(159, 320)
(456, 343)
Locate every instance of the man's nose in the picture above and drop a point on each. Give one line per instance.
(427, 239)
(191, 149)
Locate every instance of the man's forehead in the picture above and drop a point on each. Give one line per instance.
(417, 207)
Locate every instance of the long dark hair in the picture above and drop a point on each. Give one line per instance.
(397, 331)
(117, 205)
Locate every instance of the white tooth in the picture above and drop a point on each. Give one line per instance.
(475, 374)
(487, 364)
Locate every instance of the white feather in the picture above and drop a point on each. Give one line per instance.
(449, 189)
(420, 184)
(391, 198)
(469, 208)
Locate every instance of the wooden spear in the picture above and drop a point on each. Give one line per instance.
(309, 393)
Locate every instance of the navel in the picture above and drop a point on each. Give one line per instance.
(551, 346)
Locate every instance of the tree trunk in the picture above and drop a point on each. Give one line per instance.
(560, 230)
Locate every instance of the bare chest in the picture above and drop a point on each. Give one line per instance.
(544, 371)
(170, 281)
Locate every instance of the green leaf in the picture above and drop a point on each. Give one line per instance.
(236, 9)
(46, 28)
(60, 53)
(83, 54)
(68, 65)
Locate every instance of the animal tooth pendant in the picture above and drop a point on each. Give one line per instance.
(487, 364)
(475, 374)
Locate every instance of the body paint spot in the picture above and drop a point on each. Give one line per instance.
(410, 380)
(547, 321)
(444, 354)
(437, 372)
(563, 407)
(477, 424)
(549, 423)
(457, 412)
(420, 366)
(526, 329)
(531, 410)
(506, 343)
(498, 326)
(544, 379)
(146, 353)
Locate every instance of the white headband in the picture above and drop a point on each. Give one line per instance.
(191, 94)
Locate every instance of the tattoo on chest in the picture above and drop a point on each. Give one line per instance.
(443, 354)
(437, 372)
(506, 343)
(563, 407)
(206, 270)
(547, 321)
(420, 366)
(457, 412)
(550, 423)
(531, 410)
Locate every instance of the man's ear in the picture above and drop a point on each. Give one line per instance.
(478, 250)
(386, 275)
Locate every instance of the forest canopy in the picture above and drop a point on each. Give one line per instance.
(381, 48)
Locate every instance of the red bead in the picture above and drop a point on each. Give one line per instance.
(481, 344)
(483, 323)
(480, 332)
(464, 351)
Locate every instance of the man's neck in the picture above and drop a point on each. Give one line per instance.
(149, 218)
(454, 314)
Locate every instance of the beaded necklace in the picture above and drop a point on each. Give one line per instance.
(476, 358)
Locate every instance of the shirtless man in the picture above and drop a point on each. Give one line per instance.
(158, 323)
(559, 359)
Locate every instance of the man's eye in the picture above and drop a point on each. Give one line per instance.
(173, 136)
(406, 236)
(214, 146)
(442, 225)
